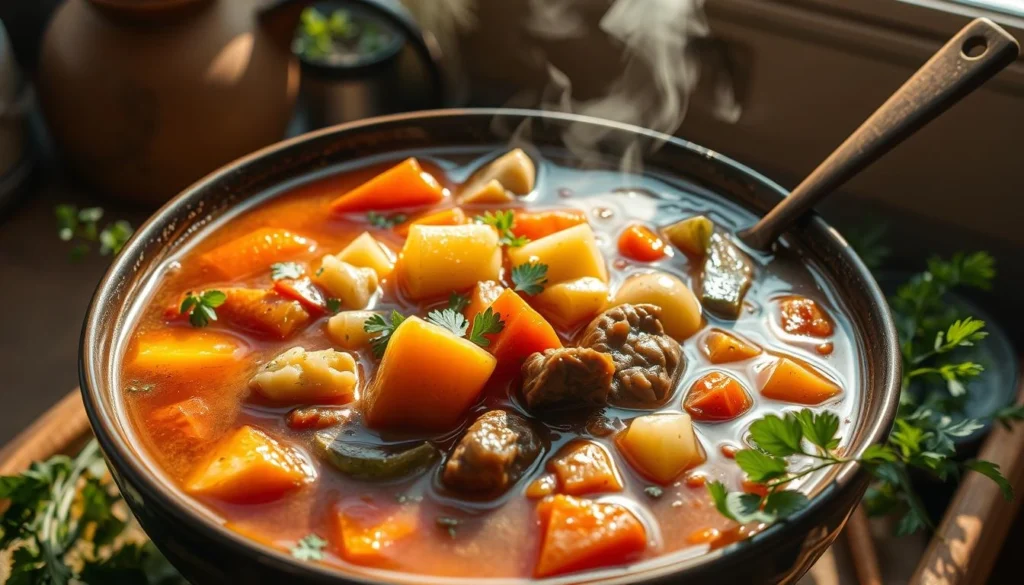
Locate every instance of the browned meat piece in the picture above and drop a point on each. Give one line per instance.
(492, 455)
(646, 359)
(567, 377)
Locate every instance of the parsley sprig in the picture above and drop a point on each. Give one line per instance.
(384, 222)
(504, 222)
(82, 226)
(202, 308)
(384, 328)
(530, 277)
(309, 548)
(484, 323)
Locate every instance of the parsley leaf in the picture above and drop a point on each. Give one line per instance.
(530, 277)
(385, 328)
(783, 504)
(777, 436)
(281, 270)
(201, 308)
(819, 428)
(991, 471)
(332, 305)
(485, 323)
(449, 319)
(504, 222)
(385, 221)
(83, 225)
(760, 467)
(457, 302)
(1009, 414)
(310, 548)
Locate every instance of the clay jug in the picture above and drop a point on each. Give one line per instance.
(143, 97)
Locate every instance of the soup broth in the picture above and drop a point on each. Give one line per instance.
(188, 389)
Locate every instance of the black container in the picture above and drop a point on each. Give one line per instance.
(207, 553)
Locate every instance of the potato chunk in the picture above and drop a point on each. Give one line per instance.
(680, 309)
(567, 304)
(513, 173)
(308, 377)
(661, 446)
(492, 192)
(248, 467)
(439, 259)
(427, 379)
(354, 286)
(792, 381)
(346, 330)
(366, 252)
(569, 254)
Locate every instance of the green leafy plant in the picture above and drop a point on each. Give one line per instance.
(283, 270)
(484, 323)
(321, 36)
(384, 328)
(81, 226)
(65, 523)
(309, 548)
(202, 308)
(504, 221)
(385, 221)
(530, 277)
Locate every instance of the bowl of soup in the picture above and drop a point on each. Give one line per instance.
(414, 350)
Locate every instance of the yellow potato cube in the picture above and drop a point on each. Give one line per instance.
(366, 252)
(439, 259)
(661, 446)
(569, 254)
(427, 379)
(492, 192)
(567, 304)
(353, 285)
(346, 330)
(680, 309)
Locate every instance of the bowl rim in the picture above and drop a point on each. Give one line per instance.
(102, 417)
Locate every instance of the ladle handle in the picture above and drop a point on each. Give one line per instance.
(979, 51)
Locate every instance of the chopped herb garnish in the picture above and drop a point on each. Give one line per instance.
(319, 271)
(310, 548)
(385, 221)
(457, 302)
(504, 222)
(449, 319)
(449, 524)
(333, 305)
(83, 225)
(654, 492)
(530, 278)
(384, 327)
(281, 270)
(201, 308)
(485, 323)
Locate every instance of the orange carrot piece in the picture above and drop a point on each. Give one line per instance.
(186, 351)
(262, 311)
(717, 396)
(525, 331)
(537, 224)
(584, 467)
(581, 534)
(792, 381)
(188, 421)
(484, 293)
(453, 216)
(255, 252)
(403, 185)
(249, 467)
(638, 242)
(803, 316)
(305, 292)
(723, 348)
(367, 532)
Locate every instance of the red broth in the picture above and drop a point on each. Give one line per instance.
(440, 532)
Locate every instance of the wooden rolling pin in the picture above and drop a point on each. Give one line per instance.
(972, 532)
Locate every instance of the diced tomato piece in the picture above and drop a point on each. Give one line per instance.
(640, 243)
(188, 421)
(255, 252)
(537, 224)
(367, 532)
(793, 381)
(717, 396)
(303, 290)
(317, 417)
(403, 185)
(722, 348)
(803, 316)
(262, 311)
(584, 467)
(525, 331)
(581, 534)
(453, 216)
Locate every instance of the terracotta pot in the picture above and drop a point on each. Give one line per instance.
(144, 97)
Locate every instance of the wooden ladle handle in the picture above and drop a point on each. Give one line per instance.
(979, 51)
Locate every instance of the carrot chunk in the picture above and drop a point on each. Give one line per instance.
(262, 311)
(792, 381)
(717, 396)
(581, 534)
(367, 532)
(305, 292)
(249, 467)
(584, 467)
(255, 252)
(453, 216)
(537, 224)
(484, 293)
(640, 243)
(187, 421)
(723, 348)
(525, 331)
(403, 185)
(186, 351)
(803, 316)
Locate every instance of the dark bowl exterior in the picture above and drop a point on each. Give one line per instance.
(207, 553)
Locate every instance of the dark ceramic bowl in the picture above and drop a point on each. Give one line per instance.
(205, 552)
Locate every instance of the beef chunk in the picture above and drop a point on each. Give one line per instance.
(567, 377)
(646, 359)
(492, 455)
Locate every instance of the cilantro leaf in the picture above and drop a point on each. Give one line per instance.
(309, 548)
(530, 277)
(449, 319)
(281, 270)
(457, 302)
(332, 305)
(878, 454)
(385, 328)
(201, 308)
(760, 467)
(777, 436)
(819, 428)
(485, 323)
(504, 222)
(385, 221)
(991, 471)
(784, 503)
